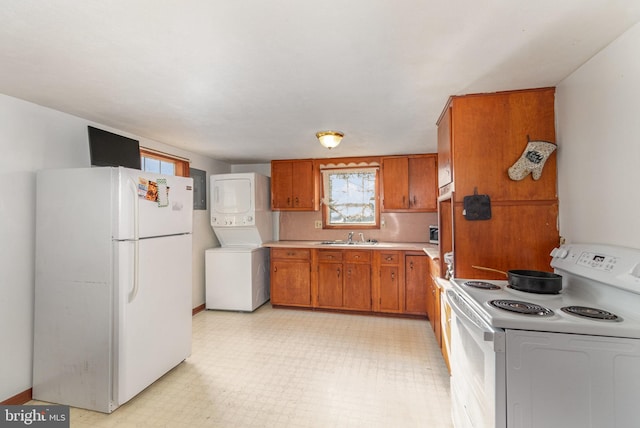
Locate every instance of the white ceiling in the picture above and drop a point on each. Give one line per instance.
(246, 81)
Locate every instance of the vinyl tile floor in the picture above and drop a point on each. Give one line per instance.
(295, 368)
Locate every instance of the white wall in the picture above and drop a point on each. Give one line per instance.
(260, 168)
(203, 236)
(32, 138)
(598, 123)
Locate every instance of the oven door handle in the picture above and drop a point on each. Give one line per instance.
(489, 334)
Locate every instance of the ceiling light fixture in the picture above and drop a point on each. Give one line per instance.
(329, 139)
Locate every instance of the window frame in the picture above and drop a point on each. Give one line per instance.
(181, 165)
(324, 197)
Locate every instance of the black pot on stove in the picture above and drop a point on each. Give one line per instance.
(531, 281)
(535, 281)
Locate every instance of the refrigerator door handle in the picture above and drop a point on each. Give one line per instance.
(136, 242)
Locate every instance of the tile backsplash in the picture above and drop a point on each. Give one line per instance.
(399, 227)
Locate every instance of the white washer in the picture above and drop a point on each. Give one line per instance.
(237, 278)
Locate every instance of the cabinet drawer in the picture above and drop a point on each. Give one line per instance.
(290, 253)
(362, 256)
(389, 257)
(329, 255)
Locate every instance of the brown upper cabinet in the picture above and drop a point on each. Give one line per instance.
(409, 183)
(481, 136)
(294, 185)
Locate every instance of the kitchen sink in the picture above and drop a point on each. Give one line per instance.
(348, 244)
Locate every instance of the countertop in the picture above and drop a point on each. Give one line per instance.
(430, 249)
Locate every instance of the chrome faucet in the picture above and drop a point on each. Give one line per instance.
(350, 238)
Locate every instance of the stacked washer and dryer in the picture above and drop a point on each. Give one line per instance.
(237, 273)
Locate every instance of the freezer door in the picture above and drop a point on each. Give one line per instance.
(154, 316)
(158, 204)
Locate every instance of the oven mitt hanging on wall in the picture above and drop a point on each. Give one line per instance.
(532, 160)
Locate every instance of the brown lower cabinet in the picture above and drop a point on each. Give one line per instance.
(351, 280)
(417, 288)
(330, 279)
(433, 299)
(357, 281)
(389, 280)
(344, 279)
(291, 277)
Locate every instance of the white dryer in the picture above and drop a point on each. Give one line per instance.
(237, 273)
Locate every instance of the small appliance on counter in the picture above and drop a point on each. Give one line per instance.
(237, 273)
(433, 234)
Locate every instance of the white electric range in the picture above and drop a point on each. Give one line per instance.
(572, 359)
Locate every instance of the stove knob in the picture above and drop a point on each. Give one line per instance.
(559, 253)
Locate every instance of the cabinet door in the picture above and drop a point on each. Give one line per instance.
(409, 183)
(395, 183)
(433, 303)
(422, 183)
(390, 299)
(303, 187)
(293, 185)
(357, 286)
(445, 173)
(531, 230)
(435, 321)
(490, 134)
(330, 278)
(290, 283)
(281, 185)
(416, 285)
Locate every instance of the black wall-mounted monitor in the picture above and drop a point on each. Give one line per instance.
(109, 149)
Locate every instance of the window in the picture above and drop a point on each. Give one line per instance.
(158, 166)
(350, 198)
(162, 163)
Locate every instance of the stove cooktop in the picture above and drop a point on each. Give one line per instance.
(600, 295)
(507, 308)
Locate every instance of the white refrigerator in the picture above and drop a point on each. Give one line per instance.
(112, 285)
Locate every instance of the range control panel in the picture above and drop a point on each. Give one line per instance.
(597, 261)
(617, 266)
